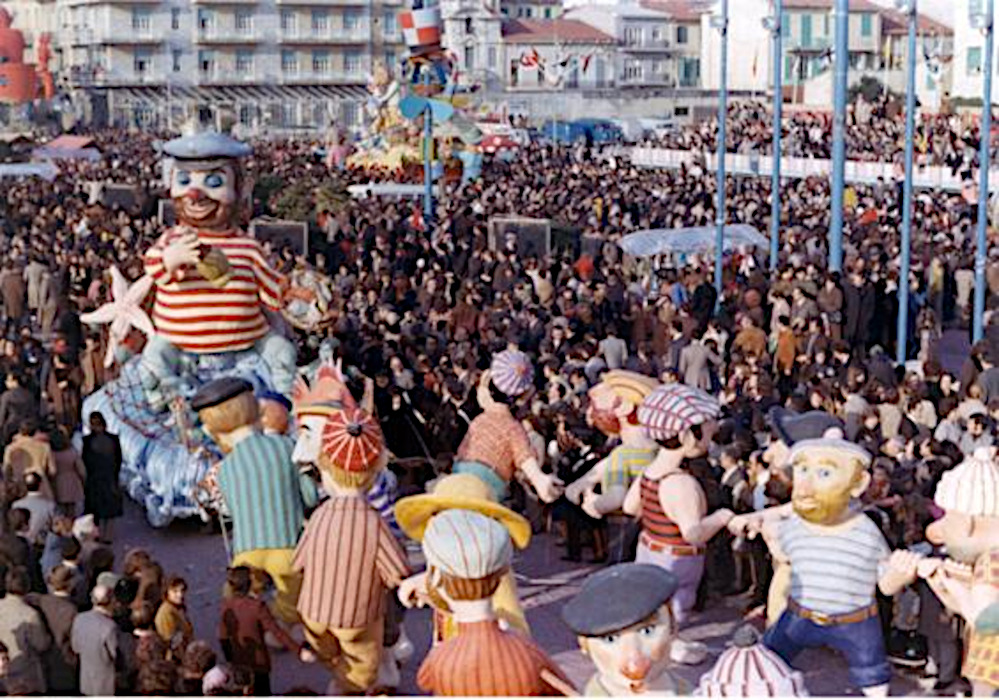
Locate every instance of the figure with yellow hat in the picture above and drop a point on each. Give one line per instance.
(967, 583)
(613, 410)
(461, 492)
(348, 556)
(496, 446)
(469, 554)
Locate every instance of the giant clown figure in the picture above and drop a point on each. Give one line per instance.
(212, 281)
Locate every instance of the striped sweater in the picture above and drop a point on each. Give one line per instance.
(265, 494)
(194, 315)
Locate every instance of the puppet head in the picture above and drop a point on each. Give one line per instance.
(969, 495)
(827, 473)
(615, 400)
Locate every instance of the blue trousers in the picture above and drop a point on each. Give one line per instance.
(862, 643)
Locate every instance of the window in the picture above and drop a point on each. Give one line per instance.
(175, 18)
(244, 62)
(143, 115)
(866, 24)
(527, 12)
(353, 61)
(288, 21)
(825, 25)
(785, 25)
(140, 19)
(520, 11)
(548, 13)
(289, 62)
(351, 21)
(492, 57)
(389, 27)
(321, 62)
(806, 31)
(657, 35)
(632, 69)
(973, 63)
(175, 55)
(681, 35)
(320, 22)
(143, 61)
(469, 58)
(469, 27)
(633, 36)
(390, 60)
(351, 114)
(690, 72)
(572, 82)
(246, 113)
(206, 20)
(244, 21)
(681, 111)
(206, 63)
(288, 115)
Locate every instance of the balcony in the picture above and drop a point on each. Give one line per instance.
(323, 3)
(228, 36)
(82, 36)
(116, 78)
(360, 35)
(322, 78)
(225, 2)
(83, 3)
(649, 47)
(229, 76)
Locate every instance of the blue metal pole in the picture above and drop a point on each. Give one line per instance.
(428, 181)
(722, 114)
(985, 139)
(778, 103)
(842, 17)
(901, 351)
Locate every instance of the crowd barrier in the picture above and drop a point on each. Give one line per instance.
(925, 177)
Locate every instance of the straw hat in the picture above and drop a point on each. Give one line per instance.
(458, 492)
(629, 386)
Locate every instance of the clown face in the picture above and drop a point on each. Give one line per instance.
(310, 440)
(205, 194)
(629, 662)
(825, 480)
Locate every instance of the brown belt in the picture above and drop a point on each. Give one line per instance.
(825, 620)
(677, 550)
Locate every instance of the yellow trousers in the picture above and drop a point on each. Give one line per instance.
(352, 655)
(287, 582)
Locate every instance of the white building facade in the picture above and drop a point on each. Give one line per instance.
(280, 64)
(969, 52)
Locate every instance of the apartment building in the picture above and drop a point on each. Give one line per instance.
(279, 64)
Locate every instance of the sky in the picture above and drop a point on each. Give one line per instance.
(940, 10)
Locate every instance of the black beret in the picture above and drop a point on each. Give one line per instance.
(618, 597)
(793, 427)
(218, 391)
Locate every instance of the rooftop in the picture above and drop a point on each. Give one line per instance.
(855, 5)
(894, 22)
(553, 31)
(680, 10)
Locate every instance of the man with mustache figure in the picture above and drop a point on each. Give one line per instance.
(613, 410)
(837, 558)
(212, 281)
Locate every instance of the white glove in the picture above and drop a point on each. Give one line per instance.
(183, 251)
(412, 591)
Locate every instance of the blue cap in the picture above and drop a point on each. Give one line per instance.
(276, 398)
(219, 391)
(615, 598)
(792, 427)
(206, 145)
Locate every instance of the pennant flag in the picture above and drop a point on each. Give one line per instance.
(756, 57)
(586, 61)
(886, 51)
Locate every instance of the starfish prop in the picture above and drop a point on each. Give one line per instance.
(123, 312)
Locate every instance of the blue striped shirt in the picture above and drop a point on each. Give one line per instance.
(265, 493)
(833, 571)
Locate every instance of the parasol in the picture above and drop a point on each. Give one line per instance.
(494, 143)
(690, 241)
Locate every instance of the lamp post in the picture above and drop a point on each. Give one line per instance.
(720, 22)
(982, 20)
(774, 25)
(842, 17)
(907, 7)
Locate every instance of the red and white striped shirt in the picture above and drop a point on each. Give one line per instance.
(195, 315)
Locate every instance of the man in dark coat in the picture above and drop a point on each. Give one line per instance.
(58, 611)
(102, 458)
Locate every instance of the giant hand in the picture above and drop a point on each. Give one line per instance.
(185, 250)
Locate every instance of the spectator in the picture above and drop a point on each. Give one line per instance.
(40, 508)
(23, 632)
(94, 639)
(70, 474)
(102, 459)
(172, 624)
(59, 611)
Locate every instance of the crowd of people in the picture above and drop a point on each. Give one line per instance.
(421, 308)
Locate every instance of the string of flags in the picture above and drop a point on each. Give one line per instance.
(532, 59)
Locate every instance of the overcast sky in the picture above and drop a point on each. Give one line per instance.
(942, 10)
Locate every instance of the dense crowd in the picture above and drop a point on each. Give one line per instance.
(421, 309)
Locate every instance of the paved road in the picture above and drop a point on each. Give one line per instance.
(188, 549)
